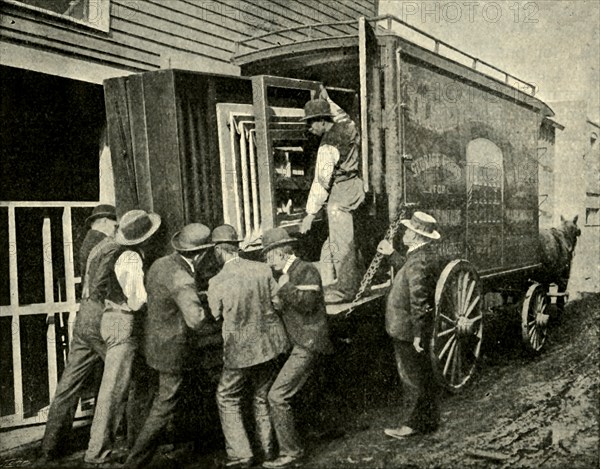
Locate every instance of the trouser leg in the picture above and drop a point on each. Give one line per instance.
(81, 361)
(143, 388)
(160, 416)
(229, 398)
(263, 376)
(340, 248)
(421, 393)
(117, 331)
(289, 381)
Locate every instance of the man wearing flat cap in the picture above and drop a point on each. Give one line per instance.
(336, 182)
(174, 313)
(121, 277)
(409, 321)
(244, 293)
(305, 319)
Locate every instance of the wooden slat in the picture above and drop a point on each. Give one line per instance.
(49, 298)
(14, 304)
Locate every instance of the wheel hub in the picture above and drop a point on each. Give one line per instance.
(465, 326)
(541, 320)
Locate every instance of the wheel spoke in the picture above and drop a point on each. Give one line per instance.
(446, 332)
(472, 305)
(446, 318)
(463, 294)
(450, 357)
(468, 298)
(447, 345)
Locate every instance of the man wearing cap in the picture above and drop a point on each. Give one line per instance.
(122, 277)
(305, 319)
(409, 321)
(102, 223)
(87, 348)
(243, 293)
(338, 183)
(174, 311)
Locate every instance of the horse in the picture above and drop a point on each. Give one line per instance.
(557, 246)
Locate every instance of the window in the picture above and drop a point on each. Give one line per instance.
(592, 217)
(92, 13)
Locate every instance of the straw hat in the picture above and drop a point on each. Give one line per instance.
(136, 226)
(422, 224)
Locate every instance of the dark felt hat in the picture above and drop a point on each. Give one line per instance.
(102, 211)
(225, 234)
(276, 237)
(316, 108)
(192, 237)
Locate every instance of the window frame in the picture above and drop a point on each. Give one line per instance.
(102, 24)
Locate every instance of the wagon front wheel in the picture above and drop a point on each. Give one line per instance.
(458, 325)
(534, 318)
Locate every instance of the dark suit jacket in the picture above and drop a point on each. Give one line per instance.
(174, 310)
(243, 294)
(410, 303)
(303, 308)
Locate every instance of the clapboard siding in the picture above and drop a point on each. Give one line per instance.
(147, 34)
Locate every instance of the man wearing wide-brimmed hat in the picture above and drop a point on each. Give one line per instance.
(243, 294)
(409, 321)
(337, 182)
(102, 223)
(122, 278)
(305, 319)
(174, 311)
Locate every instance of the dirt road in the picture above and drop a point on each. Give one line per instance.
(520, 411)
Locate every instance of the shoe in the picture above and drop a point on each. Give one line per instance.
(282, 461)
(243, 463)
(400, 433)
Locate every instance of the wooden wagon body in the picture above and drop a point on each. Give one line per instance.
(441, 131)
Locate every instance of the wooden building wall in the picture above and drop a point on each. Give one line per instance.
(149, 34)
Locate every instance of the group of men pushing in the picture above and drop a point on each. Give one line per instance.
(260, 318)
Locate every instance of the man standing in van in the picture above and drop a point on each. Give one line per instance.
(337, 182)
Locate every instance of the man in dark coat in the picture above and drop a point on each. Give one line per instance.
(174, 311)
(409, 321)
(305, 319)
(243, 293)
(102, 223)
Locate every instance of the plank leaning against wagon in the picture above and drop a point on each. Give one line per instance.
(409, 320)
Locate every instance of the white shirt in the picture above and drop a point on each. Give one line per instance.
(188, 262)
(288, 264)
(417, 246)
(130, 275)
(327, 157)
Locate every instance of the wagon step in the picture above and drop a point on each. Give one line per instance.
(558, 295)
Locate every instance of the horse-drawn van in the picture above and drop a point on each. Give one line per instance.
(441, 131)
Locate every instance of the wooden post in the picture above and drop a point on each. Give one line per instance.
(264, 152)
(49, 299)
(364, 91)
(14, 304)
(392, 151)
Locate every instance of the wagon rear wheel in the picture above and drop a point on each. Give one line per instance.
(535, 317)
(458, 325)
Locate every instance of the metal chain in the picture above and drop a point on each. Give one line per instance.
(365, 283)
